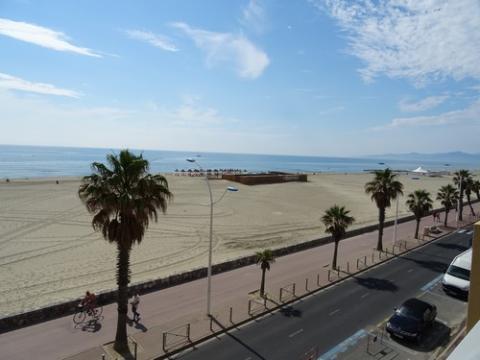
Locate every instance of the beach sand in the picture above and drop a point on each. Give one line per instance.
(49, 252)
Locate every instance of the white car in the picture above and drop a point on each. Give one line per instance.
(457, 278)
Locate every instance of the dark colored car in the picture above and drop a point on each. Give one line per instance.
(412, 319)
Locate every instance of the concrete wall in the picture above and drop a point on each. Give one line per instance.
(257, 179)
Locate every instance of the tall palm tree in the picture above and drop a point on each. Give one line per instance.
(383, 189)
(460, 177)
(420, 203)
(448, 196)
(469, 188)
(264, 259)
(336, 221)
(123, 198)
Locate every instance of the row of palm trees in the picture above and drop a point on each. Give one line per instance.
(124, 197)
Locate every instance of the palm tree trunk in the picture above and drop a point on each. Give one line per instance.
(381, 221)
(446, 217)
(460, 214)
(262, 284)
(417, 227)
(334, 263)
(123, 278)
(469, 200)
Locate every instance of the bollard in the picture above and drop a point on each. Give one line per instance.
(348, 266)
(103, 356)
(265, 301)
(135, 350)
(318, 279)
(293, 289)
(338, 271)
(211, 323)
(357, 263)
(306, 284)
(231, 314)
(373, 258)
(163, 345)
(280, 295)
(250, 303)
(188, 332)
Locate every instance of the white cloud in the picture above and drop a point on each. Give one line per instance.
(467, 116)
(41, 36)
(417, 40)
(253, 16)
(157, 40)
(422, 105)
(250, 61)
(10, 82)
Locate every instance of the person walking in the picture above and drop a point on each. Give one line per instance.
(135, 303)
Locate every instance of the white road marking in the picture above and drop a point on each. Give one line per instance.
(364, 295)
(409, 270)
(470, 232)
(334, 312)
(295, 333)
(461, 231)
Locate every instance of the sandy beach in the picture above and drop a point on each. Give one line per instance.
(49, 252)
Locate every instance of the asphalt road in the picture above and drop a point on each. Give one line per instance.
(332, 315)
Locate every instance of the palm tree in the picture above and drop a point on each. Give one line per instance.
(469, 185)
(336, 221)
(383, 189)
(459, 179)
(264, 259)
(420, 203)
(123, 198)
(476, 188)
(448, 197)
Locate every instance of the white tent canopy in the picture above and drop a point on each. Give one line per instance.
(420, 170)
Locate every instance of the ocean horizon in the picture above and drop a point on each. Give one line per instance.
(23, 161)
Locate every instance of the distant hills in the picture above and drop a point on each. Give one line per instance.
(455, 157)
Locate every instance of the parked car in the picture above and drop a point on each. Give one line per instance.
(412, 319)
(457, 278)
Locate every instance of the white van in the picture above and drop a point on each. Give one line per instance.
(457, 278)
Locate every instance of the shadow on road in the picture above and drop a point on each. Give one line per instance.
(376, 284)
(288, 311)
(246, 346)
(452, 246)
(436, 266)
(92, 326)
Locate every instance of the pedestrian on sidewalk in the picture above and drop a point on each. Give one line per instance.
(135, 303)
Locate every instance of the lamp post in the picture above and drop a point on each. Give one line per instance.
(210, 240)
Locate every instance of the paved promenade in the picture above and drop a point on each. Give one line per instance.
(169, 310)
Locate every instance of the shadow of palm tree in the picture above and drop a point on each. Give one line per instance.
(242, 343)
(437, 266)
(452, 246)
(376, 284)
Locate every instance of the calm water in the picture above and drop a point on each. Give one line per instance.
(36, 161)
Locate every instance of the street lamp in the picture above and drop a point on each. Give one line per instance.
(209, 269)
(459, 199)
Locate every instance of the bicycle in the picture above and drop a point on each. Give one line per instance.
(82, 312)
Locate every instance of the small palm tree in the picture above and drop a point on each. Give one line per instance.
(420, 203)
(383, 189)
(336, 221)
(448, 197)
(469, 189)
(123, 198)
(460, 178)
(264, 259)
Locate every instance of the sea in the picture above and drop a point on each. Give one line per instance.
(42, 161)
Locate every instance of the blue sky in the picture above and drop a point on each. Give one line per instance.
(306, 77)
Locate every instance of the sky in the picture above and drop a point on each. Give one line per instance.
(304, 77)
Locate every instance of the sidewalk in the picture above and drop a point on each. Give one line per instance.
(170, 310)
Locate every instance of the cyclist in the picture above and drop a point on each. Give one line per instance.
(89, 302)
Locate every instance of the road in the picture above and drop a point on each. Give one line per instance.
(332, 315)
